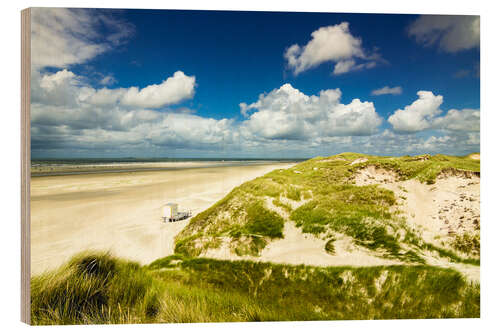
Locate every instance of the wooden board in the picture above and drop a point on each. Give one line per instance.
(25, 163)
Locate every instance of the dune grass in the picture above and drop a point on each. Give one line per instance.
(96, 288)
(468, 243)
(261, 222)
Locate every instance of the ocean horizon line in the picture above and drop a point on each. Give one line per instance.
(97, 160)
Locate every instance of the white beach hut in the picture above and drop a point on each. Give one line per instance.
(169, 211)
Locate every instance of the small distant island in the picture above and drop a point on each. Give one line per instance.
(350, 236)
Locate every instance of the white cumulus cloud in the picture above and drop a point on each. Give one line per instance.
(452, 33)
(288, 114)
(66, 88)
(52, 81)
(69, 115)
(331, 43)
(344, 66)
(388, 91)
(61, 37)
(60, 88)
(424, 114)
(171, 91)
(180, 130)
(419, 115)
(466, 120)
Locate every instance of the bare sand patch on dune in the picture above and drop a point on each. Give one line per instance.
(299, 248)
(448, 207)
(121, 212)
(439, 211)
(338, 158)
(475, 156)
(359, 160)
(373, 176)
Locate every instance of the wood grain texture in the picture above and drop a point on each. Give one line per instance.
(25, 164)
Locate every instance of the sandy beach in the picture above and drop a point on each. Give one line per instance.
(121, 212)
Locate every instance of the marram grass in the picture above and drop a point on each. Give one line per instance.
(96, 288)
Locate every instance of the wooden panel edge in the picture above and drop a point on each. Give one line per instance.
(25, 165)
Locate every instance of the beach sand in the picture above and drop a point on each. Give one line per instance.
(121, 212)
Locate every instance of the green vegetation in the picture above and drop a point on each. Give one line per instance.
(450, 255)
(330, 246)
(468, 243)
(263, 222)
(293, 193)
(248, 237)
(359, 212)
(96, 288)
(327, 201)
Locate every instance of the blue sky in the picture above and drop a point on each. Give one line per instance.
(158, 83)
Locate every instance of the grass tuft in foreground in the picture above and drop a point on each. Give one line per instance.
(95, 288)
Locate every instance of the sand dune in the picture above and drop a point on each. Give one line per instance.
(437, 212)
(120, 212)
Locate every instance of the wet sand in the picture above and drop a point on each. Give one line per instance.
(121, 212)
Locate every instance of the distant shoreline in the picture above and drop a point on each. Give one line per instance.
(82, 167)
(106, 160)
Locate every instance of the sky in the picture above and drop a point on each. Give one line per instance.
(161, 83)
